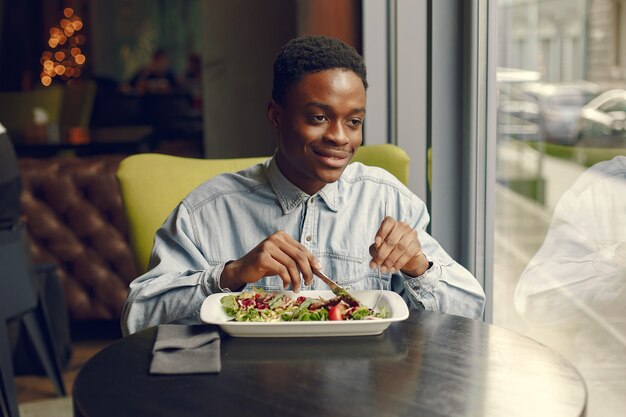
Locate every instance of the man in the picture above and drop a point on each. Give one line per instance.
(273, 224)
(157, 77)
(573, 291)
(581, 265)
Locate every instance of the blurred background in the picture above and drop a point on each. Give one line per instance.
(127, 75)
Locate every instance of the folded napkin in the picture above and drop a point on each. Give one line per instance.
(186, 349)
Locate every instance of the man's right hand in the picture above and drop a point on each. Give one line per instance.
(279, 254)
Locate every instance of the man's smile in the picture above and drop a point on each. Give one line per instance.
(333, 157)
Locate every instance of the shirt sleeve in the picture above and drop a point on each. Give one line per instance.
(446, 286)
(178, 279)
(580, 267)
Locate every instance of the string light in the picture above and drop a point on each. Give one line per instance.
(66, 59)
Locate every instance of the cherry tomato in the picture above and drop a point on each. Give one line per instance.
(336, 312)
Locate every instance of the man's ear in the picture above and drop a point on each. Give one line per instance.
(273, 111)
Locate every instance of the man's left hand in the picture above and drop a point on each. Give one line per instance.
(397, 248)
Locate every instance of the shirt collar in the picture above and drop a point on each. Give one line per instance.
(289, 196)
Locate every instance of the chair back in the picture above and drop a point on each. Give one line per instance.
(17, 291)
(77, 106)
(16, 108)
(152, 185)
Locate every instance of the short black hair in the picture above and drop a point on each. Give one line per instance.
(308, 54)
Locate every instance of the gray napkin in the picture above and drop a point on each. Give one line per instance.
(185, 349)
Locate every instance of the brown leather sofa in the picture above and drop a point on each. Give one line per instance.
(74, 215)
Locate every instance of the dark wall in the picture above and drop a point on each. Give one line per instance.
(240, 41)
(340, 19)
(22, 40)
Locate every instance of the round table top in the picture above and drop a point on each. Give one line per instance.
(429, 364)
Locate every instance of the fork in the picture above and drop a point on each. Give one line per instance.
(380, 293)
(380, 280)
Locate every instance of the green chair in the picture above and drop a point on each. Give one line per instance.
(152, 185)
(77, 106)
(16, 108)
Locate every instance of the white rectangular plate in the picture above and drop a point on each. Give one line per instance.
(213, 313)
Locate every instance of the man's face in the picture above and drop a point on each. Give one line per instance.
(319, 126)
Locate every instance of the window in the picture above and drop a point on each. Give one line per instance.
(560, 225)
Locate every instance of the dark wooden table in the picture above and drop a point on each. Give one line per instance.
(431, 364)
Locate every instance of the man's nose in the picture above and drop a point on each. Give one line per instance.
(337, 133)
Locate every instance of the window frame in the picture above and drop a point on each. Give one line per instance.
(440, 90)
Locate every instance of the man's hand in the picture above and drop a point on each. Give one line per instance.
(279, 254)
(396, 247)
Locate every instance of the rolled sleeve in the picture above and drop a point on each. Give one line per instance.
(422, 288)
(212, 282)
(448, 288)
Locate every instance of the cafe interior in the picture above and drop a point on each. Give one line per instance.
(492, 112)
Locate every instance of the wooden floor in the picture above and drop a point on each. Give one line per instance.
(35, 388)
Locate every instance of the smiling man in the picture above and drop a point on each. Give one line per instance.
(306, 208)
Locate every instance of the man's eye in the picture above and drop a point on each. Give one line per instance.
(355, 122)
(318, 118)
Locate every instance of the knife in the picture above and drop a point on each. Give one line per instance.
(337, 289)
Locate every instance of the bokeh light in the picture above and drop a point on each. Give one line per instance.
(65, 58)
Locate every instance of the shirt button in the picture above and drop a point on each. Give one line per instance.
(308, 238)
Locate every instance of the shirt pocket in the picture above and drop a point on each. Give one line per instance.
(353, 272)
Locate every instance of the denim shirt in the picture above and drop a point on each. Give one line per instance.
(226, 217)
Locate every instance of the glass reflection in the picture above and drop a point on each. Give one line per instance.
(560, 227)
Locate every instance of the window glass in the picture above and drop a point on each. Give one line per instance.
(560, 226)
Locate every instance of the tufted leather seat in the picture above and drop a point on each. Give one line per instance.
(74, 215)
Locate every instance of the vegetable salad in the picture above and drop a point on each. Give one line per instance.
(261, 306)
